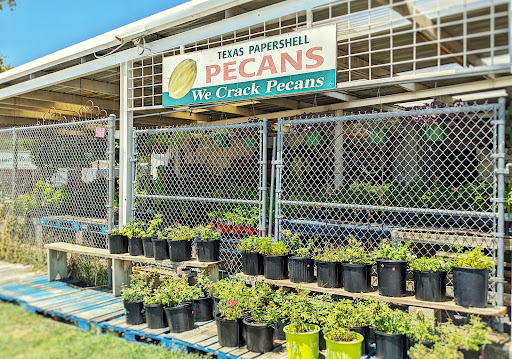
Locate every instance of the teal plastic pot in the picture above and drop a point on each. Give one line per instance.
(315, 138)
(435, 133)
(344, 350)
(302, 345)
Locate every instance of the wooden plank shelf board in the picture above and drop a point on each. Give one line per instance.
(408, 300)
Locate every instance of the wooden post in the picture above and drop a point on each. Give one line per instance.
(121, 272)
(57, 265)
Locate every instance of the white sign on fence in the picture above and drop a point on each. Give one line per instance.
(24, 160)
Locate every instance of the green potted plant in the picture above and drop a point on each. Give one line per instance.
(275, 259)
(252, 259)
(133, 297)
(301, 265)
(160, 245)
(202, 298)
(471, 267)
(221, 138)
(322, 304)
(423, 331)
(179, 241)
(177, 298)
(208, 244)
(155, 225)
(229, 323)
(259, 325)
(155, 315)
(391, 327)
(328, 267)
(302, 337)
(357, 268)
(468, 338)
(134, 231)
(438, 351)
(392, 267)
(430, 278)
(227, 288)
(117, 242)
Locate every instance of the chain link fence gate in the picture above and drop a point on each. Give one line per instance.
(427, 176)
(205, 174)
(55, 186)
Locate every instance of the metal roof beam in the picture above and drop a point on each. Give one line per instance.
(50, 96)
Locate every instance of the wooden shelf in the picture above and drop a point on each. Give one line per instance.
(409, 300)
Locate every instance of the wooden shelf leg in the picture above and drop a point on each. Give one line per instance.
(213, 272)
(57, 265)
(121, 272)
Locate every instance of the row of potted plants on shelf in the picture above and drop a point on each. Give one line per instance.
(350, 267)
(237, 221)
(257, 315)
(158, 242)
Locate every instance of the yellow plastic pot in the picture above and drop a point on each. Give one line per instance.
(344, 350)
(302, 345)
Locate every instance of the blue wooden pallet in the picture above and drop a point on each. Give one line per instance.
(72, 225)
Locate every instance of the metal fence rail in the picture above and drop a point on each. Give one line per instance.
(205, 174)
(428, 176)
(55, 185)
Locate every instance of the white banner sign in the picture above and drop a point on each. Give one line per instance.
(24, 160)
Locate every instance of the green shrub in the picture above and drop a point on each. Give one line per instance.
(434, 264)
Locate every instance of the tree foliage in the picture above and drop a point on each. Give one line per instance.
(10, 3)
(2, 66)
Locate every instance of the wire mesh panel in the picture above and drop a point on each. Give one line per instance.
(55, 180)
(200, 175)
(426, 176)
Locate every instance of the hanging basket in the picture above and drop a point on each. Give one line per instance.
(379, 135)
(251, 142)
(222, 140)
(315, 138)
(435, 133)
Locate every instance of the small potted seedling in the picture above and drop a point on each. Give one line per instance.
(357, 268)
(179, 241)
(177, 301)
(468, 338)
(392, 267)
(252, 259)
(328, 267)
(202, 298)
(155, 315)
(117, 242)
(302, 266)
(208, 244)
(133, 299)
(275, 259)
(430, 278)
(155, 225)
(391, 327)
(134, 230)
(471, 267)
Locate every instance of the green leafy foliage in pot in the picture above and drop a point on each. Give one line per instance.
(394, 252)
(251, 244)
(330, 254)
(137, 290)
(155, 226)
(116, 232)
(423, 329)
(175, 291)
(438, 351)
(473, 259)
(469, 336)
(392, 321)
(203, 287)
(296, 245)
(299, 310)
(206, 233)
(434, 264)
(342, 335)
(257, 302)
(355, 253)
(133, 229)
(229, 288)
(322, 306)
(272, 248)
(154, 297)
(230, 309)
(177, 232)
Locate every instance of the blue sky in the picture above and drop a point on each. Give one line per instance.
(37, 28)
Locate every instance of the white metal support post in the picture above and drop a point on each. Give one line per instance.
(125, 147)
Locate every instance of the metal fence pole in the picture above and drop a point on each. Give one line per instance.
(279, 165)
(272, 181)
(501, 199)
(111, 175)
(264, 178)
(133, 160)
(14, 163)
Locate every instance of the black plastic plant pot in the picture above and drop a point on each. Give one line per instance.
(411, 342)
(365, 332)
(252, 263)
(216, 305)
(229, 332)
(135, 246)
(391, 276)
(430, 286)
(155, 316)
(117, 244)
(328, 274)
(259, 337)
(160, 249)
(302, 269)
(180, 251)
(134, 313)
(470, 286)
(357, 277)
(279, 333)
(147, 246)
(275, 267)
(322, 345)
(208, 251)
(390, 346)
(471, 354)
(203, 309)
(180, 318)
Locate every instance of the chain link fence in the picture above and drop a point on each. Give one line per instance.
(426, 176)
(54, 186)
(205, 174)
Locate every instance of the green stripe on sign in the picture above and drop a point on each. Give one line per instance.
(320, 80)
